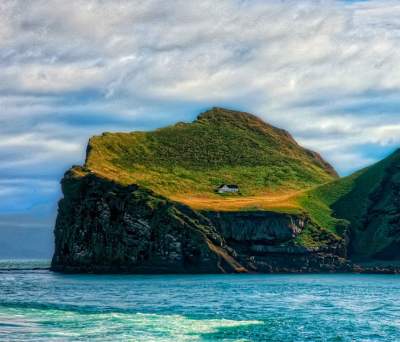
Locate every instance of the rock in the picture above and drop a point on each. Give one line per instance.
(105, 227)
(257, 225)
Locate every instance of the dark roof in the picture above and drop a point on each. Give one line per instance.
(232, 186)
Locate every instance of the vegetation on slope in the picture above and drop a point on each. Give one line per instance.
(344, 202)
(187, 161)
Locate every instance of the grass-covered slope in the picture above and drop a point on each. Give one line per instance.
(187, 161)
(363, 202)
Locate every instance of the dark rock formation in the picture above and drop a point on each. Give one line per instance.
(257, 226)
(105, 227)
(265, 242)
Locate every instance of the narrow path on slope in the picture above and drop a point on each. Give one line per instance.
(286, 201)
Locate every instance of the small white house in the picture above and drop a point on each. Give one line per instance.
(227, 188)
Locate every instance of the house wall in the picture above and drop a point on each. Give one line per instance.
(226, 189)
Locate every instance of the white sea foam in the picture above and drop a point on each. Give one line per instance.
(68, 325)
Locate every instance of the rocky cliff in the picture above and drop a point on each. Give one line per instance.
(269, 242)
(105, 227)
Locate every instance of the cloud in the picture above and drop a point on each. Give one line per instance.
(325, 70)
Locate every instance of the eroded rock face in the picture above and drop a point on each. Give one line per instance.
(106, 227)
(264, 241)
(262, 226)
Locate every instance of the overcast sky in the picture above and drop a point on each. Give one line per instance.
(327, 71)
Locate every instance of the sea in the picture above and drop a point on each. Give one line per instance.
(39, 305)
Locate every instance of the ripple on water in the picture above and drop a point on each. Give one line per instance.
(42, 306)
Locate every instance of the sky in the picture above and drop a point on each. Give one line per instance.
(327, 71)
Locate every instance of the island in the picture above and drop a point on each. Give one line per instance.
(227, 193)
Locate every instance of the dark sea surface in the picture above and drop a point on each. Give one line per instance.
(39, 305)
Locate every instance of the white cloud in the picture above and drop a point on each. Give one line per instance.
(324, 70)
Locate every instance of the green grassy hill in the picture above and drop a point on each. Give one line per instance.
(187, 161)
(355, 202)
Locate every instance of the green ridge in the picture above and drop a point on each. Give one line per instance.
(343, 203)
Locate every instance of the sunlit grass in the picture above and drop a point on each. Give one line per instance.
(189, 161)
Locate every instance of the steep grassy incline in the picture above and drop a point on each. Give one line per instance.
(187, 161)
(367, 202)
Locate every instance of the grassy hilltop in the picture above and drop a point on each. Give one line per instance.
(187, 161)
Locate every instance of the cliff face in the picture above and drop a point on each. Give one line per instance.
(257, 226)
(269, 242)
(106, 227)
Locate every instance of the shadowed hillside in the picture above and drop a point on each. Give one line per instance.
(368, 202)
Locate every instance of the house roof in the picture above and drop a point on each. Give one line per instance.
(232, 186)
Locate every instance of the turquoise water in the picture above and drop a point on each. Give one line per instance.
(38, 305)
